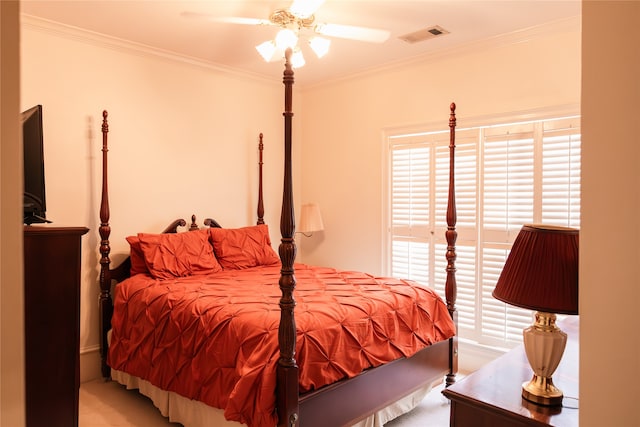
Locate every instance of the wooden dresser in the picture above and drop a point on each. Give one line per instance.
(52, 324)
(492, 396)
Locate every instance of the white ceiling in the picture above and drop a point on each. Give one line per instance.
(160, 24)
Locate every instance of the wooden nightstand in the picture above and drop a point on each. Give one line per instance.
(492, 396)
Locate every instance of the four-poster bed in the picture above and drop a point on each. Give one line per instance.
(367, 384)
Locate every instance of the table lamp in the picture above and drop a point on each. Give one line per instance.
(310, 219)
(541, 273)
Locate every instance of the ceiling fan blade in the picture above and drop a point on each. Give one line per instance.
(305, 8)
(227, 19)
(352, 32)
(243, 21)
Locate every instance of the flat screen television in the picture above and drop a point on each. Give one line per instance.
(35, 205)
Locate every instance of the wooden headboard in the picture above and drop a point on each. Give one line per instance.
(117, 274)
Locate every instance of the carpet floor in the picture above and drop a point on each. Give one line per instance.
(108, 404)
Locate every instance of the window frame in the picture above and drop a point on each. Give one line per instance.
(435, 233)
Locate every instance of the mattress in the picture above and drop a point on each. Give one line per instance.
(214, 338)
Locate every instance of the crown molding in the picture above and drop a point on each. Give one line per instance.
(571, 24)
(93, 38)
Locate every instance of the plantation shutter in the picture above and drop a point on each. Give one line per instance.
(410, 205)
(531, 174)
(506, 176)
(561, 173)
(507, 188)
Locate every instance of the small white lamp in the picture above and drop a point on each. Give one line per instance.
(310, 219)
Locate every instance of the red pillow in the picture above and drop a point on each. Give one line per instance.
(138, 266)
(178, 254)
(245, 247)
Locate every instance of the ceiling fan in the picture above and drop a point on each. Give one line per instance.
(295, 21)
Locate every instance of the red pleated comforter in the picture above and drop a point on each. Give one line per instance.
(214, 338)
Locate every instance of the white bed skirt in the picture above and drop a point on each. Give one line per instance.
(192, 413)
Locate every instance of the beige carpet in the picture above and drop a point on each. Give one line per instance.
(108, 404)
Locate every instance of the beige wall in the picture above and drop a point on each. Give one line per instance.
(11, 276)
(183, 140)
(610, 232)
(344, 123)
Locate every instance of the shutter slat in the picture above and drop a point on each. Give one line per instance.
(506, 176)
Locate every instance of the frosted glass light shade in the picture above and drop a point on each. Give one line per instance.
(267, 50)
(297, 59)
(286, 38)
(320, 46)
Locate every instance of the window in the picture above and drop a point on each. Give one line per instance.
(506, 176)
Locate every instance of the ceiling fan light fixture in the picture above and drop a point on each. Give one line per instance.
(267, 50)
(297, 58)
(320, 46)
(305, 8)
(286, 38)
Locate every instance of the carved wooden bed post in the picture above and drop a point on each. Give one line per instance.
(105, 302)
(451, 235)
(260, 200)
(287, 370)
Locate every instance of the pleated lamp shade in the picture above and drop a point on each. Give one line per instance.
(541, 271)
(310, 218)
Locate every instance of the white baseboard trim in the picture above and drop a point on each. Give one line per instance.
(90, 364)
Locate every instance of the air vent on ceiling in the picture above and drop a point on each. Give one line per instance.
(424, 34)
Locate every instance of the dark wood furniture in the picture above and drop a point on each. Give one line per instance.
(492, 396)
(52, 324)
(377, 387)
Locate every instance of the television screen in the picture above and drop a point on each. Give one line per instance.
(35, 206)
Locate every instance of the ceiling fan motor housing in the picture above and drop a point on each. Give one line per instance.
(284, 18)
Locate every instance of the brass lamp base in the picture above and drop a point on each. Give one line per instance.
(541, 390)
(544, 344)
